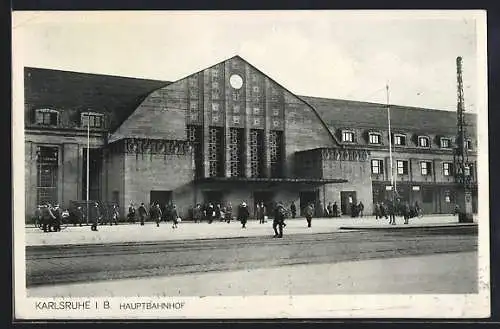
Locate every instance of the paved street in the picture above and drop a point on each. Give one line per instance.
(149, 232)
(451, 273)
(75, 263)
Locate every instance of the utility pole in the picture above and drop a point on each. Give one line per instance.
(393, 183)
(462, 168)
(88, 169)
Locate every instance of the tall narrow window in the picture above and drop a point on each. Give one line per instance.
(445, 143)
(194, 137)
(374, 138)
(276, 151)
(347, 136)
(256, 151)
(236, 151)
(425, 168)
(447, 169)
(423, 141)
(47, 165)
(402, 167)
(215, 152)
(399, 140)
(377, 166)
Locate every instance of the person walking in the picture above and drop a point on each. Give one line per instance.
(293, 209)
(361, 207)
(406, 212)
(47, 218)
(131, 213)
(115, 214)
(56, 223)
(243, 214)
(279, 220)
(329, 209)
(95, 216)
(197, 213)
(142, 213)
(377, 211)
(156, 213)
(175, 216)
(308, 212)
(229, 212)
(210, 212)
(260, 212)
(391, 211)
(335, 209)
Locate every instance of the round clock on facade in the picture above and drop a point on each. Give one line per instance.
(236, 81)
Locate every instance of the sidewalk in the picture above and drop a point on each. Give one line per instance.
(186, 231)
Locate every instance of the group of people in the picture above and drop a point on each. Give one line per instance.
(50, 218)
(391, 209)
(156, 213)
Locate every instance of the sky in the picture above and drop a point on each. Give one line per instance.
(332, 54)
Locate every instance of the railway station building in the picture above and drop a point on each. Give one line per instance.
(228, 133)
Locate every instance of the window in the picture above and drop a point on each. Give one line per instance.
(276, 123)
(425, 168)
(399, 140)
(445, 143)
(215, 73)
(402, 167)
(215, 118)
(347, 136)
(468, 144)
(215, 84)
(93, 120)
(374, 138)
(447, 169)
(215, 107)
(47, 117)
(377, 167)
(256, 121)
(423, 141)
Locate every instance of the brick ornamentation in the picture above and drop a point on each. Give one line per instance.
(155, 146)
(345, 155)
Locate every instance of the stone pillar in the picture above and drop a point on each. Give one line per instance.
(248, 124)
(206, 121)
(70, 173)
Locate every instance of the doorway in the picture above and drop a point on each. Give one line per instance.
(215, 197)
(267, 197)
(346, 199)
(307, 197)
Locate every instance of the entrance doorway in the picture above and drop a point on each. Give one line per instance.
(267, 197)
(213, 196)
(307, 197)
(346, 199)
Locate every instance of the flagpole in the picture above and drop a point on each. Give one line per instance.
(393, 187)
(88, 155)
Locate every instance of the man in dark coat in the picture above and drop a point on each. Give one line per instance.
(308, 213)
(156, 213)
(56, 223)
(243, 214)
(197, 213)
(131, 213)
(279, 220)
(95, 216)
(229, 212)
(115, 214)
(293, 209)
(47, 218)
(142, 213)
(175, 216)
(210, 213)
(335, 209)
(406, 212)
(391, 210)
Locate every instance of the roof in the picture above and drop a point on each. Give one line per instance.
(346, 113)
(67, 90)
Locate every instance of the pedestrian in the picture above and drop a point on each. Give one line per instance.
(229, 212)
(156, 213)
(57, 221)
(260, 212)
(293, 209)
(243, 214)
(383, 210)
(329, 209)
(131, 213)
(308, 212)
(95, 216)
(377, 210)
(335, 209)
(197, 213)
(218, 213)
(37, 217)
(47, 218)
(279, 220)
(115, 214)
(406, 212)
(361, 207)
(175, 216)
(142, 213)
(391, 211)
(210, 212)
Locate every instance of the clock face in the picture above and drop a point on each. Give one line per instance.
(236, 81)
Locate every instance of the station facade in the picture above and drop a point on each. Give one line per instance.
(228, 133)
